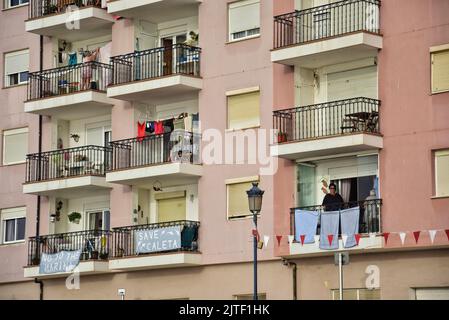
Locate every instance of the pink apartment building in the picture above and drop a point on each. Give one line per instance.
(129, 97)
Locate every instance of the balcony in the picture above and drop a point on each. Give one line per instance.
(67, 173)
(338, 127)
(158, 245)
(72, 20)
(154, 10)
(70, 92)
(161, 75)
(93, 244)
(330, 34)
(369, 228)
(141, 161)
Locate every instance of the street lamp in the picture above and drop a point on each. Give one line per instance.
(255, 205)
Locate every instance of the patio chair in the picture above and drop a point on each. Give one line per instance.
(371, 123)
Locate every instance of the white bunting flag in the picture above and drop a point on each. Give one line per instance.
(402, 236)
(317, 239)
(432, 234)
(372, 236)
(265, 240)
(290, 239)
(344, 237)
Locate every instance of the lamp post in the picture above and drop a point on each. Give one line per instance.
(255, 205)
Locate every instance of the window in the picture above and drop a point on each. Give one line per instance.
(16, 67)
(432, 293)
(249, 296)
(15, 146)
(14, 3)
(356, 294)
(244, 19)
(243, 110)
(12, 225)
(237, 199)
(442, 173)
(440, 71)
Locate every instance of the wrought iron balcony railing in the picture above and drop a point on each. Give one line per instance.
(70, 79)
(41, 8)
(326, 21)
(65, 163)
(155, 63)
(327, 119)
(176, 146)
(94, 245)
(124, 242)
(369, 218)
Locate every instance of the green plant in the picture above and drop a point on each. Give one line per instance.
(74, 217)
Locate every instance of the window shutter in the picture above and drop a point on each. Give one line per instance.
(244, 15)
(243, 110)
(238, 199)
(442, 173)
(15, 146)
(16, 62)
(440, 71)
(171, 209)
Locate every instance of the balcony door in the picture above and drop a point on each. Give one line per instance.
(171, 206)
(170, 54)
(98, 219)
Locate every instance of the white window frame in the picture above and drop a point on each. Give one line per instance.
(11, 214)
(6, 77)
(237, 4)
(7, 133)
(436, 154)
(7, 4)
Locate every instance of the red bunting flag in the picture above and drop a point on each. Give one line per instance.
(416, 235)
(330, 237)
(386, 235)
(278, 238)
(302, 237)
(357, 238)
(447, 233)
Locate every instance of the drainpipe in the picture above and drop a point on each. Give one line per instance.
(287, 263)
(38, 208)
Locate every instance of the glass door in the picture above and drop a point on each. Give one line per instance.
(306, 188)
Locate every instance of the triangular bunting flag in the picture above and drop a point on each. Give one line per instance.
(265, 240)
(386, 235)
(330, 237)
(316, 238)
(344, 237)
(447, 233)
(372, 235)
(290, 239)
(402, 235)
(279, 238)
(432, 234)
(357, 238)
(302, 237)
(416, 235)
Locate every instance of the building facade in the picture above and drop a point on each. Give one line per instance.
(156, 116)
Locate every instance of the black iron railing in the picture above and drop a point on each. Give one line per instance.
(369, 218)
(326, 21)
(327, 119)
(94, 244)
(124, 238)
(73, 162)
(157, 62)
(40, 8)
(176, 146)
(70, 79)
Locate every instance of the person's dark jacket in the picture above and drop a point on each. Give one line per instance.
(333, 202)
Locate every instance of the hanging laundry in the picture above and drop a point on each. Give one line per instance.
(149, 127)
(140, 131)
(350, 225)
(188, 123)
(158, 127)
(105, 53)
(179, 124)
(195, 122)
(73, 59)
(168, 125)
(329, 230)
(305, 225)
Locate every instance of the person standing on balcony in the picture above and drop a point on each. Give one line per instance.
(332, 201)
(87, 67)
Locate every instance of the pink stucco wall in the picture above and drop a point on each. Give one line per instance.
(413, 121)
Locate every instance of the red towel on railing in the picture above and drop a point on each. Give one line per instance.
(158, 127)
(140, 131)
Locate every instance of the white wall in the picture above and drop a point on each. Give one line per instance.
(79, 127)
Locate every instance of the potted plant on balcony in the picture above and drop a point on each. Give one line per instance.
(281, 137)
(75, 217)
